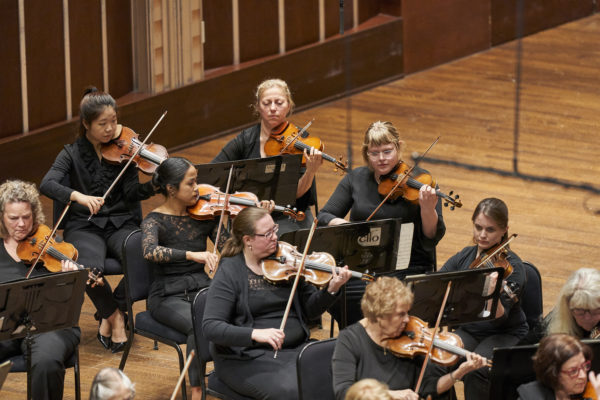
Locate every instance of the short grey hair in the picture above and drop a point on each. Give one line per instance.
(108, 382)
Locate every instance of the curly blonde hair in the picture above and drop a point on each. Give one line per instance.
(383, 296)
(15, 191)
(269, 84)
(368, 389)
(380, 133)
(582, 290)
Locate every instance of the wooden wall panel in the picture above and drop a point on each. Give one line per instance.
(538, 15)
(391, 7)
(438, 31)
(120, 64)
(85, 39)
(332, 17)
(10, 70)
(45, 62)
(367, 9)
(218, 30)
(219, 104)
(301, 23)
(259, 36)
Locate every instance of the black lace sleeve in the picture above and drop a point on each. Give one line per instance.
(151, 230)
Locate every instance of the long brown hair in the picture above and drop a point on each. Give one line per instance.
(243, 224)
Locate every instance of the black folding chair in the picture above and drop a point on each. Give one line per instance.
(215, 386)
(313, 365)
(138, 278)
(19, 364)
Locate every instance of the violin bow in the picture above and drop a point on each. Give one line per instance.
(212, 272)
(183, 371)
(297, 279)
(48, 240)
(111, 187)
(399, 181)
(299, 134)
(435, 331)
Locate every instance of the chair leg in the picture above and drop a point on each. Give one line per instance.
(128, 345)
(77, 376)
(155, 345)
(181, 367)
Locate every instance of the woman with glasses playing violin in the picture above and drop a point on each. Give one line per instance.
(577, 312)
(273, 104)
(244, 312)
(561, 364)
(357, 193)
(490, 228)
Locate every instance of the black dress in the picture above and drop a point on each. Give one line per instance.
(165, 240)
(240, 301)
(77, 167)
(50, 350)
(357, 193)
(247, 146)
(483, 337)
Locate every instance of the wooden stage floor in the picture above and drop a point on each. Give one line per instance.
(470, 103)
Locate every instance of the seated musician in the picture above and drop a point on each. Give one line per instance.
(273, 104)
(357, 193)
(490, 228)
(175, 243)
(20, 215)
(244, 312)
(362, 349)
(577, 311)
(561, 364)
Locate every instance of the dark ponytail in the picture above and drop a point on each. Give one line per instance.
(170, 172)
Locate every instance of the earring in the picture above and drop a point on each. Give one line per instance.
(250, 247)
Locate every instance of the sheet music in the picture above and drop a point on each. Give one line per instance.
(405, 245)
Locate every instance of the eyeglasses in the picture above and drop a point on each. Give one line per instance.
(385, 153)
(270, 234)
(580, 312)
(573, 372)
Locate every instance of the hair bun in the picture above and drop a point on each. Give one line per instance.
(89, 89)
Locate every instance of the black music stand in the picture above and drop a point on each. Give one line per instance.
(513, 366)
(467, 302)
(371, 247)
(271, 178)
(41, 304)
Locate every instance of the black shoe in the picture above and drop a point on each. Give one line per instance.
(105, 341)
(117, 346)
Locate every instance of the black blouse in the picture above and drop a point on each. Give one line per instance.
(77, 167)
(357, 193)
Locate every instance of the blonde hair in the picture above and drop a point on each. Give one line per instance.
(380, 133)
(383, 296)
(368, 389)
(15, 191)
(582, 290)
(243, 224)
(108, 382)
(269, 84)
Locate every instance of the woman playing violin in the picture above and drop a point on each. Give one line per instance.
(20, 215)
(490, 228)
(273, 104)
(79, 174)
(357, 193)
(561, 364)
(244, 312)
(362, 349)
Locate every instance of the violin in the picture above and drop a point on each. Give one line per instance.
(287, 139)
(416, 339)
(124, 146)
(495, 256)
(590, 392)
(57, 251)
(283, 266)
(211, 202)
(404, 185)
